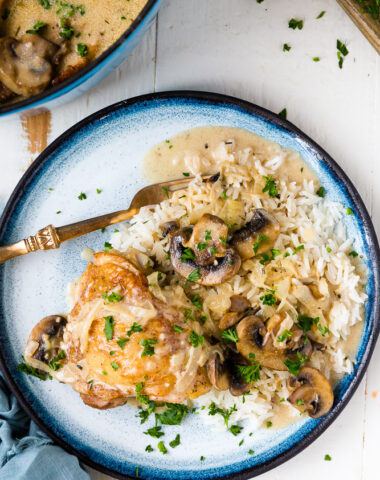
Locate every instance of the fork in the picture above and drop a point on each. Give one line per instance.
(51, 237)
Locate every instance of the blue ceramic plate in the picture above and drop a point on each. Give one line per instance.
(105, 151)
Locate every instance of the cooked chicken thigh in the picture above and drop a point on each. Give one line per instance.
(119, 336)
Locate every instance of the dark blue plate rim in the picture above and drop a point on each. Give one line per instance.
(335, 169)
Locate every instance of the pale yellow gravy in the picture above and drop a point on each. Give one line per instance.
(165, 161)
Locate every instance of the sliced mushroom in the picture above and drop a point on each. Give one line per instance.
(221, 270)
(26, 64)
(299, 343)
(247, 241)
(239, 303)
(169, 228)
(238, 386)
(218, 372)
(252, 334)
(229, 319)
(208, 239)
(44, 341)
(312, 392)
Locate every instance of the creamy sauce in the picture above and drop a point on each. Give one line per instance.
(166, 161)
(96, 23)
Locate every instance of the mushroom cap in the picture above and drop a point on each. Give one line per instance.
(229, 319)
(263, 223)
(48, 333)
(312, 392)
(26, 64)
(299, 343)
(209, 230)
(251, 333)
(221, 270)
(218, 372)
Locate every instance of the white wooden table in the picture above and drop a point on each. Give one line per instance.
(235, 47)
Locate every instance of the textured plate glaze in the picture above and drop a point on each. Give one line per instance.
(105, 151)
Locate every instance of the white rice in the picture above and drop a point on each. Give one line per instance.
(305, 219)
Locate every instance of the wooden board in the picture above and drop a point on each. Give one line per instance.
(369, 26)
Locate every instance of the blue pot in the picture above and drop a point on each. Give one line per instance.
(93, 73)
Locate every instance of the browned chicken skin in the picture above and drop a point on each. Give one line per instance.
(173, 373)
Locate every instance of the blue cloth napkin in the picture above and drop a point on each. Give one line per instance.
(26, 453)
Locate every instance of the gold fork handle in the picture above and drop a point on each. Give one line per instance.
(50, 237)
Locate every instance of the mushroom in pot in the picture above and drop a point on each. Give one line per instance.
(26, 64)
(44, 341)
(312, 392)
(213, 267)
(257, 236)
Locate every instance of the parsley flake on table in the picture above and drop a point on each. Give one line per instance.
(82, 196)
(316, 59)
(342, 52)
(286, 47)
(321, 14)
(294, 24)
(283, 114)
(108, 327)
(327, 457)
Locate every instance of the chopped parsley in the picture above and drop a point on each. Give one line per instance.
(173, 415)
(155, 432)
(195, 339)
(208, 235)
(294, 366)
(134, 328)
(82, 49)
(161, 447)
(265, 257)
(193, 276)
(283, 114)
(269, 299)
(174, 443)
(149, 448)
(286, 47)
(328, 249)
(270, 186)
(108, 327)
(249, 373)
(305, 323)
(107, 246)
(297, 249)
(327, 457)
(202, 458)
(45, 3)
(353, 254)
(321, 192)
(349, 211)
(82, 196)
(112, 297)
(148, 343)
(235, 429)
(260, 239)
(321, 14)
(341, 53)
(36, 28)
(269, 424)
(224, 195)
(177, 328)
(186, 174)
(166, 192)
(197, 301)
(316, 59)
(29, 370)
(98, 191)
(115, 366)
(55, 364)
(294, 24)
(202, 246)
(230, 335)
(251, 452)
(187, 254)
(286, 334)
(225, 413)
